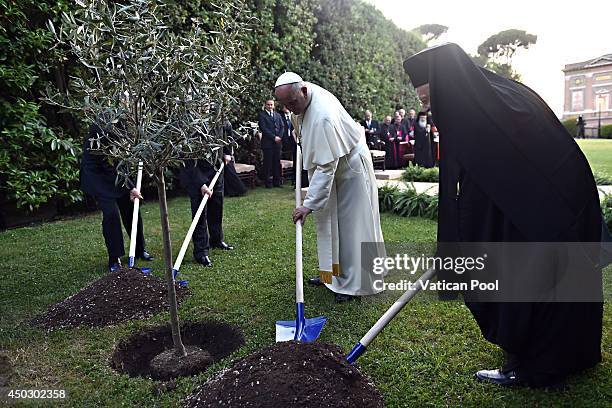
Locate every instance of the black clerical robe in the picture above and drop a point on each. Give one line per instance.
(510, 172)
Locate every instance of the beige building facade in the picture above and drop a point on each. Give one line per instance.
(588, 92)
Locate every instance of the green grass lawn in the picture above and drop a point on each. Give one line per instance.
(599, 154)
(426, 357)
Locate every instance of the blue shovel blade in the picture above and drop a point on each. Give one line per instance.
(300, 329)
(286, 329)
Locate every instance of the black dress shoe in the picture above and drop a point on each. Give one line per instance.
(114, 264)
(340, 298)
(499, 377)
(315, 281)
(223, 246)
(145, 256)
(204, 260)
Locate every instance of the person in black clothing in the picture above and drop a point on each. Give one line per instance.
(510, 172)
(232, 185)
(271, 128)
(423, 152)
(394, 157)
(289, 143)
(410, 120)
(580, 124)
(195, 177)
(371, 129)
(98, 178)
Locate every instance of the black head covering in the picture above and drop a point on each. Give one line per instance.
(508, 140)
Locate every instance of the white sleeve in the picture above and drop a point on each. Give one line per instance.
(319, 186)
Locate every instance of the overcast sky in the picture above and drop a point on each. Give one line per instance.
(568, 31)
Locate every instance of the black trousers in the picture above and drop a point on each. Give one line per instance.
(209, 230)
(271, 164)
(114, 211)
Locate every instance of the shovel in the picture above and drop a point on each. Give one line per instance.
(196, 218)
(395, 308)
(300, 329)
(134, 229)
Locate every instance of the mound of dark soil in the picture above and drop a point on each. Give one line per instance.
(133, 355)
(116, 297)
(289, 374)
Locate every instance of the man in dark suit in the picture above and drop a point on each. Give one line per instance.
(289, 143)
(271, 128)
(98, 179)
(195, 177)
(371, 129)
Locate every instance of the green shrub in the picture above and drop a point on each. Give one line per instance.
(38, 161)
(606, 132)
(386, 197)
(417, 173)
(570, 125)
(606, 209)
(409, 203)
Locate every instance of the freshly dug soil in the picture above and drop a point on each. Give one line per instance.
(289, 374)
(116, 297)
(168, 365)
(133, 355)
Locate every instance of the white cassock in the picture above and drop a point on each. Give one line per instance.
(342, 194)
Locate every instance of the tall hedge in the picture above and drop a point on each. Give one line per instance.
(347, 46)
(38, 155)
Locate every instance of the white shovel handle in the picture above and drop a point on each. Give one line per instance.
(299, 274)
(196, 218)
(134, 229)
(396, 307)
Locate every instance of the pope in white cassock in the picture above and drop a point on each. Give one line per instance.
(342, 193)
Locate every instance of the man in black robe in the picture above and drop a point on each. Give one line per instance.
(423, 153)
(394, 149)
(98, 178)
(510, 172)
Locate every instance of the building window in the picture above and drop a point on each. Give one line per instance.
(577, 101)
(602, 102)
(604, 77)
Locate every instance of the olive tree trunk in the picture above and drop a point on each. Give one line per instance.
(163, 211)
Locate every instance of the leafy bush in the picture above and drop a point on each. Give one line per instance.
(417, 173)
(606, 132)
(36, 164)
(570, 125)
(409, 203)
(38, 161)
(606, 209)
(386, 197)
